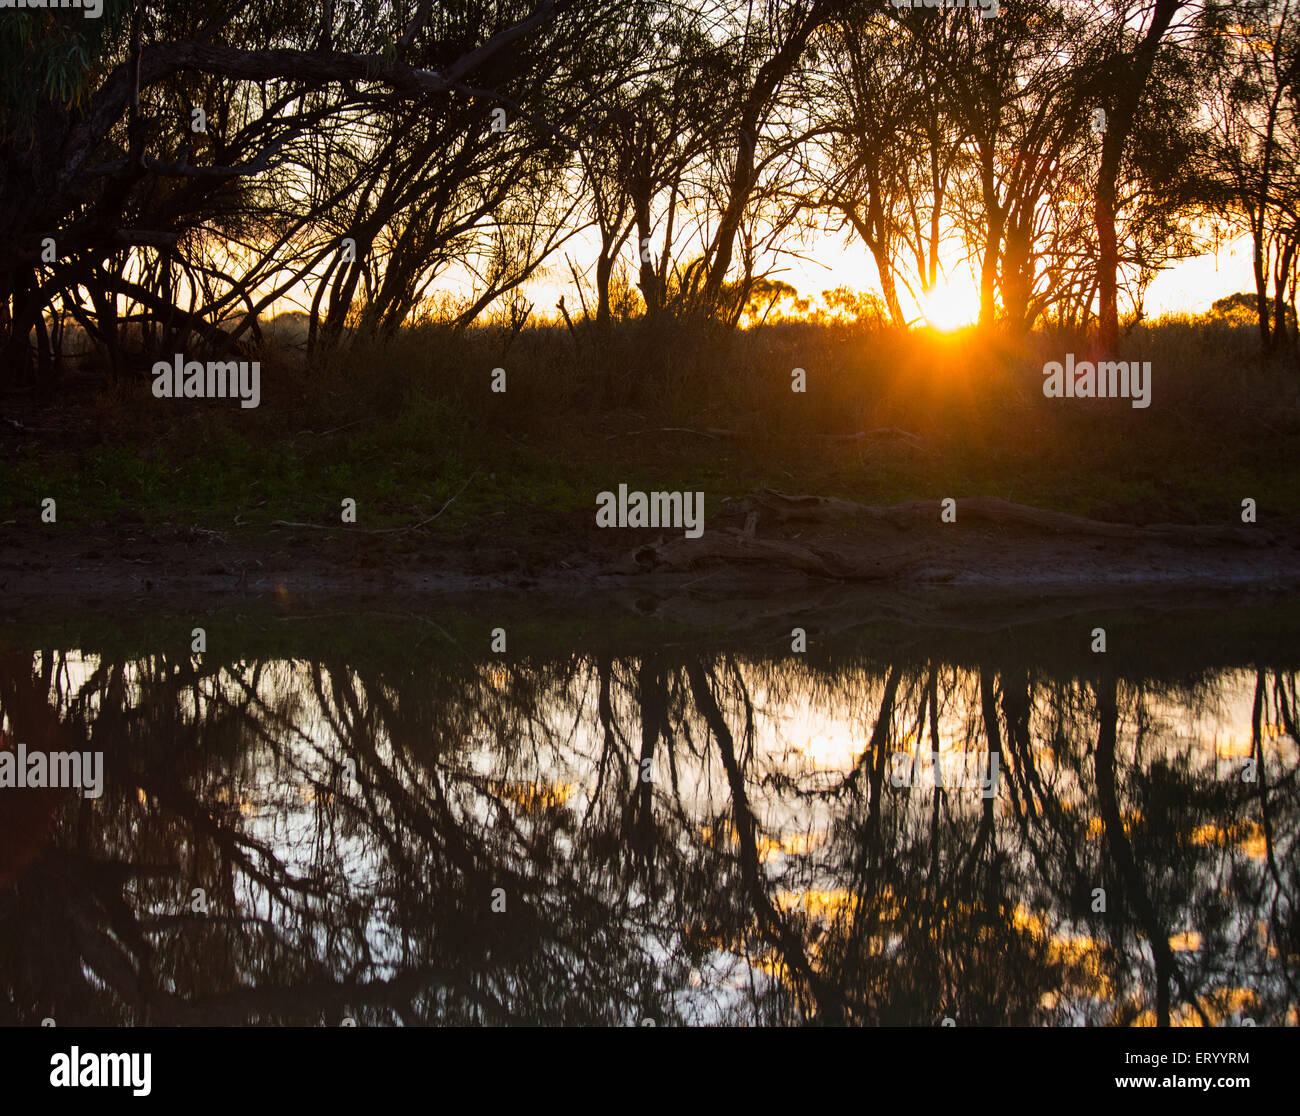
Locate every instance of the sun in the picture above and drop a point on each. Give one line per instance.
(948, 305)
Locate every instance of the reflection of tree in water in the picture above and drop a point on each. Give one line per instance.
(749, 881)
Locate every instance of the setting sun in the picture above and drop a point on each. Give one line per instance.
(948, 306)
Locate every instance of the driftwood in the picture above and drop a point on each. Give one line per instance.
(732, 546)
(987, 509)
(849, 558)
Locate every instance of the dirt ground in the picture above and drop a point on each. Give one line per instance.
(769, 549)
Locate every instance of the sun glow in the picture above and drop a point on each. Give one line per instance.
(948, 306)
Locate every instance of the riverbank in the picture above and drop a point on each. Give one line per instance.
(400, 470)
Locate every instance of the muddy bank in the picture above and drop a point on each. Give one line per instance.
(775, 551)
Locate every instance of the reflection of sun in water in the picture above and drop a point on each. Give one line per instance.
(950, 305)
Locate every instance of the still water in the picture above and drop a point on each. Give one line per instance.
(384, 823)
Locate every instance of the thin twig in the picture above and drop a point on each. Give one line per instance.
(380, 530)
(874, 432)
(334, 429)
(711, 432)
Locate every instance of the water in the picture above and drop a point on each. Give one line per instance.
(372, 817)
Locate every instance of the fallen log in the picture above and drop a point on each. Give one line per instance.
(728, 546)
(988, 509)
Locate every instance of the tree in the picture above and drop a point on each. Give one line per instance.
(139, 144)
(1126, 72)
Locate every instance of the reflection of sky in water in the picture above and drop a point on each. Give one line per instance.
(808, 734)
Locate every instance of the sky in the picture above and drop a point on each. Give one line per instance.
(1187, 287)
(827, 261)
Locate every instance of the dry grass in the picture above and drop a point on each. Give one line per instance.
(406, 421)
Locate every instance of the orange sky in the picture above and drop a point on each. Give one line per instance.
(828, 262)
(1186, 287)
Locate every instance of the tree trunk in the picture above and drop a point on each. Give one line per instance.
(1281, 332)
(604, 268)
(743, 175)
(989, 267)
(649, 281)
(890, 290)
(1114, 139)
(1261, 288)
